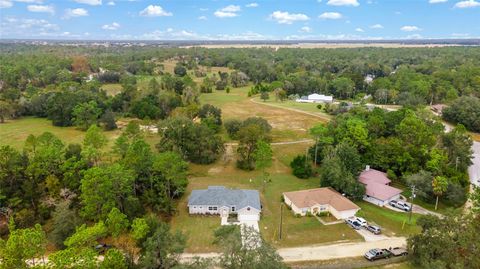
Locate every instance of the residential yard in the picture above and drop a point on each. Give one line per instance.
(296, 231)
(442, 208)
(393, 223)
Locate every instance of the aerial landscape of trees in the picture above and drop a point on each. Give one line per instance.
(64, 197)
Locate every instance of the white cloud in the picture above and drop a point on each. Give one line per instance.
(306, 29)
(437, 1)
(467, 4)
(26, 27)
(154, 11)
(353, 3)
(410, 28)
(41, 8)
(252, 5)
(89, 2)
(5, 4)
(330, 16)
(227, 12)
(202, 18)
(288, 18)
(376, 26)
(243, 36)
(461, 35)
(28, 1)
(112, 27)
(111, 3)
(170, 34)
(76, 12)
(414, 36)
(359, 30)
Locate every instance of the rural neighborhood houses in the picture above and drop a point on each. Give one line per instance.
(318, 200)
(222, 201)
(315, 98)
(377, 189)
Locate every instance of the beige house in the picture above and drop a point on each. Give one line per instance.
(318, 200)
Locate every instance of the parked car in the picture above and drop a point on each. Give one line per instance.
(398, 251)
(400, 205)
(102, 248)
(374, 229)
(362, 221)
(376, 253)
(354, 224)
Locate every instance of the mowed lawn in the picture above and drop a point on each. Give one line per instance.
(296, 231)
(392, 222)
(292, 105)
(287, 125)
(15, 132)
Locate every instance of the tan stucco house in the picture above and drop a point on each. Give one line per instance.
(318, 200)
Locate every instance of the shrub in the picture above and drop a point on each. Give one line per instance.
(300, 167)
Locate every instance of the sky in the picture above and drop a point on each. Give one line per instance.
(239, 20)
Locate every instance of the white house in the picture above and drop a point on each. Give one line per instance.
(377, 189)
(318, 200)
(316, 98)
(221, 201)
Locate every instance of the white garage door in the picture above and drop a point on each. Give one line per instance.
(244, 217)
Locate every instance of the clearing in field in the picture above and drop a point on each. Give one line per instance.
(287, 124)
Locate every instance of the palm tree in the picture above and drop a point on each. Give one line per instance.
(440, 185)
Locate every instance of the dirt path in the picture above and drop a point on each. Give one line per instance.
(322, 252)
(278, 143)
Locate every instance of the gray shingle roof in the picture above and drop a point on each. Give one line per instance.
(221, 196)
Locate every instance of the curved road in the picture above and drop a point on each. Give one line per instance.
(474, 169)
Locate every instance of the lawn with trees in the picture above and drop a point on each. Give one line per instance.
(78, 169)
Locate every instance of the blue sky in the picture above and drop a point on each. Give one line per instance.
(239, 20)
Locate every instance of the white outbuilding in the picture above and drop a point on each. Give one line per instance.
(316, 98)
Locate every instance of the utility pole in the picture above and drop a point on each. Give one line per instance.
(281, 221)
(411, 204)
(306, 157)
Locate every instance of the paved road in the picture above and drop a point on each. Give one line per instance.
(474, 169)
(322, 252)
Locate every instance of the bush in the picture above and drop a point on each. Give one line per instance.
(323, 214)
(300, 167)
(232, 127)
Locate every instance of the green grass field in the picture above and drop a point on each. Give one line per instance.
(112, 88)
(15, 132)
(392, 222)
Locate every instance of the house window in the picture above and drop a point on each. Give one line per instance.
(194, 207)
(212, 208)
(248, 208)
(233, 209)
